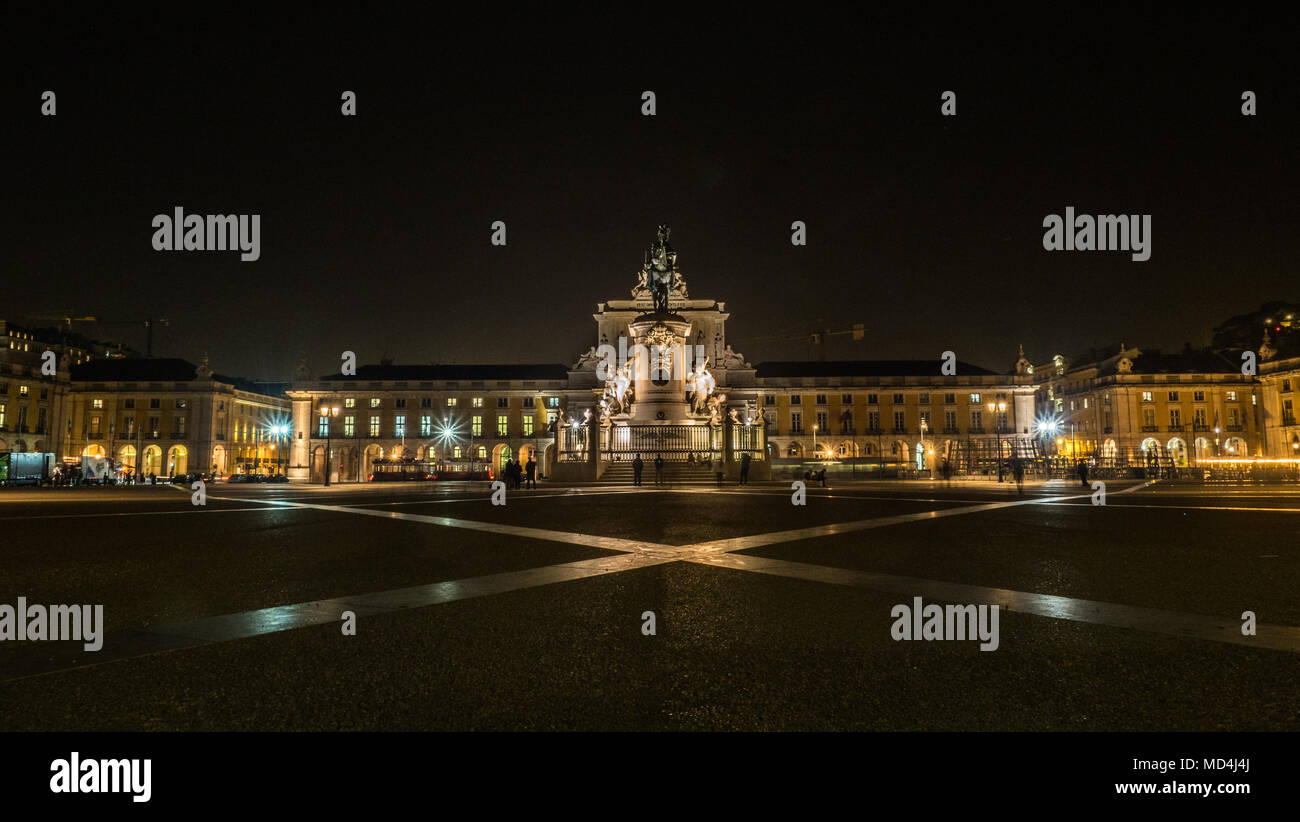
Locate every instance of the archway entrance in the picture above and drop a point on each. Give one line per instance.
(1202, 448)
(1178, 452)
(345, 462)
(373, 452)
(152, 461)
(899, 452)
(500, 456)
(178, 460)
(318, 464)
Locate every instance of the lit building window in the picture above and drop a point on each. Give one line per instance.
(478, 402)
(426, 425)
(399, 425)
(476, 425)
(349, 426)
(528, 426)
(374, 426)
(503, 426)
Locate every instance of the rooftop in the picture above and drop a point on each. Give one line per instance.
(865, 368)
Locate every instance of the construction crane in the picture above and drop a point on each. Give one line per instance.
(816, 338)
(67, 318)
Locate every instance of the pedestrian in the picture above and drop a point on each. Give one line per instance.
(531, 470)
(637, 465)
(821, 475)
(1018, 471)
(1082, 469)
(744, 469)
(659, 469)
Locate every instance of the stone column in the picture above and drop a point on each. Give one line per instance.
(300, 460)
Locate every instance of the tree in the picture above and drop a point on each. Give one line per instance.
(1245, 331)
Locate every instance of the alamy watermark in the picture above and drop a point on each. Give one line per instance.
(42, 623)
(952, 622)
(77, 775)
(211, 232)
(1105, 232)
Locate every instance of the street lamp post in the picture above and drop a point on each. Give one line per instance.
(328, 414)
(1000, 408)
(923, 428)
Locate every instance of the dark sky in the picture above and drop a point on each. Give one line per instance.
(375, 229)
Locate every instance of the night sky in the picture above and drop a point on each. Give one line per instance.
(375, 229)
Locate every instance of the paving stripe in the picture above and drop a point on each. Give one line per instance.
(29, 659)
(757, 540)
(1195, 626)
(1176, 507)
(572, 538)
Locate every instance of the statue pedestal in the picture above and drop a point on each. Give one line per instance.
(659, 344)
